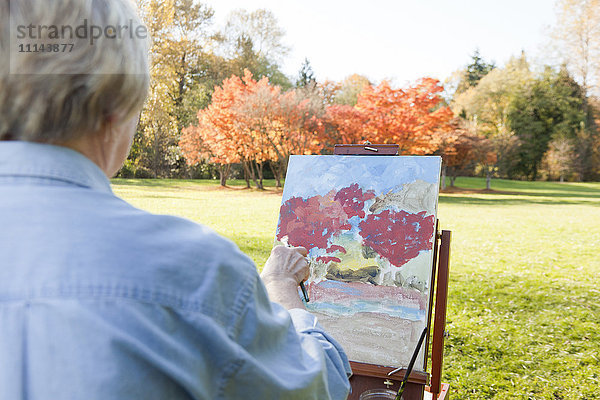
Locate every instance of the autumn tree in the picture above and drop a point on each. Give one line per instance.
(560, 159)
(255, 118)
(328, 91)
(453, 150)
(577, 34)
(189, 59)
(487, 103)
(350, 88)
(461, 157)
(253, 123)
(411, 117)
(486, 108)
(283, 123)
(300, 116)
(262, 28)
(484, 153)
(179, 30)
(215, 138)
(344, 124)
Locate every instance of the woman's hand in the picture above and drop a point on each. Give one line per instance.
(283, 271)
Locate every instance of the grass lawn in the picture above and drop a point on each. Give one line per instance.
(524, 299)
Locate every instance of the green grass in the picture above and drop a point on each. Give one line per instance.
(523, 313)
(524, 298)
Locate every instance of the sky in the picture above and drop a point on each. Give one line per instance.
(401, 40)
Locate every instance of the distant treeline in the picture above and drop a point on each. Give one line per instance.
(219, 105)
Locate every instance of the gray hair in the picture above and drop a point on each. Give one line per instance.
(99, 69)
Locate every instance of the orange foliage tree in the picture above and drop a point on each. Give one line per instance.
(299, 114)
(255, 119)
(413, 117)
(215, 139)
(251, 122)
(345, 124)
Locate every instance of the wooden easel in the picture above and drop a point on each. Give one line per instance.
(370, 376)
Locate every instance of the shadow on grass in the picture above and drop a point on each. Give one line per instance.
(528, 188)
(509, 193)
(196, 184)
(517, 193)
(517, 200)
(144, 182)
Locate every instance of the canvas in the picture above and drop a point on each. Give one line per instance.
(368, 223)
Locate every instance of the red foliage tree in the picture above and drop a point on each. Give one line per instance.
(412, 118)
(408, 117)
(252, 122)
(216, 138)
(346, 124)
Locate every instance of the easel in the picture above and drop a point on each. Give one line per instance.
(370, 376)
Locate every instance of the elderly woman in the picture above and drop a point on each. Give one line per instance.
(100, 300)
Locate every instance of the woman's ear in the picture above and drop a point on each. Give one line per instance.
(109, 125)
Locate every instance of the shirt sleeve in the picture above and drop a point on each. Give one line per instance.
(338, 366)
(285, 354)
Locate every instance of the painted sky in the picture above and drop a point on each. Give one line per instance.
(401, 40)
(311, 175)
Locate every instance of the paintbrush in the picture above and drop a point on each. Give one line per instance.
(304, 292)
(410, 366)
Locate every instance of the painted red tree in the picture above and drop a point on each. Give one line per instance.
(353, 199)
(311, 222)
(397, 235)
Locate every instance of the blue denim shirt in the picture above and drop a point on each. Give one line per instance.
(100, 300)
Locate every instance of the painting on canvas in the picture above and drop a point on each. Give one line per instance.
(368, 223)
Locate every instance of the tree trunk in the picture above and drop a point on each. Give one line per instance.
(250, 168)
(222, 176)
(259, 170)
(246, 174)
(583, 152)
(282, 166)
(275, 168)
(488, 179)
(224, 170)
(155, 162)
(534, 173)
(452, 179)
(444, 177)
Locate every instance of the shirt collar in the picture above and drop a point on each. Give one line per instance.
(36, 160)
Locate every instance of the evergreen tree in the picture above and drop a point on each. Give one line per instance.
(476, 70)
(306, 76)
